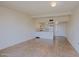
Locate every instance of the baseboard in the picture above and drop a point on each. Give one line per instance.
(16, 43)
(73, 46)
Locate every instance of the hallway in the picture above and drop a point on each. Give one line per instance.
(41, 48)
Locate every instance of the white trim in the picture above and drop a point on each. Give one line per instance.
(52, 15)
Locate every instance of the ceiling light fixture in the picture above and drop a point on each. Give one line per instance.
(53, 4)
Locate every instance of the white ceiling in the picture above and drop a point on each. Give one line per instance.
(41, 8)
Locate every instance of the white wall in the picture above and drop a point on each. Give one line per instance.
(15, 27)
(73, 29)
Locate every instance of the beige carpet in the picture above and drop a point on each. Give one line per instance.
(41, 48)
